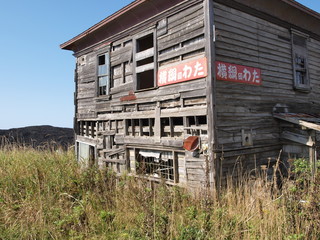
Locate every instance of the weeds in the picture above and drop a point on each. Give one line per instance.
(45, 195)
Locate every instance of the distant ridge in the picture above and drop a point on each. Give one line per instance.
(38, 136)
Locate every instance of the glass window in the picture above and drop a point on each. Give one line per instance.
(103, 74)
(300, 62)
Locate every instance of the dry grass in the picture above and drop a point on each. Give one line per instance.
(45, 195)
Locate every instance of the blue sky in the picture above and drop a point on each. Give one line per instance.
(36, 75)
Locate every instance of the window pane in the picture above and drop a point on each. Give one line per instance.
(103, 64)
(102, 70)
(103, 90)
(103, 81)
(300, 77)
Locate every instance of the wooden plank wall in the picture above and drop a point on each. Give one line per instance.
(123, 116)
(247, 40)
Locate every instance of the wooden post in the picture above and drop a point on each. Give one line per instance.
(210, 54)
(312, 153)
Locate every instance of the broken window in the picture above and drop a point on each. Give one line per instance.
(300, 61)
(140, 127)
(196, 125)
(87, 129)
(145, 62)
(172, 127)
(157, 164)
(103, 74)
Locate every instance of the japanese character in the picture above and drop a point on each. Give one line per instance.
(240, 75)
(172, 75)
(222, 71)
(187, 71)
(198, 70)
(256, 77)
(163, 77)
(246, 75)
(179, 75)
(232, 72)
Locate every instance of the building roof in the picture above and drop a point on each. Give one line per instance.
(70, 45)
(105, 21)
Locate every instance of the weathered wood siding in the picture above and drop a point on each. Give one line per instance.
(250, 41)
(127, 121)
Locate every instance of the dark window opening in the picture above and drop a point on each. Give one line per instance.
(145, 61)
(172, 127)
(191, 121)
(140, 127)
(135, 127)
(145, 43)
(87, 129)
(165, 127)
(102, 60)
(147, 126)
(196, 125)
(202, 120)
(145, 80)
(145, 64)
(177, 121)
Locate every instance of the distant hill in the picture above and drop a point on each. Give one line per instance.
(38, 136)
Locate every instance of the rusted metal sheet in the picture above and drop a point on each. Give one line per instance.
(130, 97)
(191, 143)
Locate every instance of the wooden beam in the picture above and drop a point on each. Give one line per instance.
(109, 160)
(297, 121)
(211, 92)
(298, 138)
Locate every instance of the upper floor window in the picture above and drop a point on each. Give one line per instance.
(103, 74)
(300, 61)
(144, 59)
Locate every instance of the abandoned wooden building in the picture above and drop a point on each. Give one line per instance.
(188, 91)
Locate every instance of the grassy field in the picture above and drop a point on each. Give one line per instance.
(45, 195)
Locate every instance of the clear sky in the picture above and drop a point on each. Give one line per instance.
(36, 76)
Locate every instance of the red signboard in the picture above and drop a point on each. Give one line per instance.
(238, 73)
(182, 72)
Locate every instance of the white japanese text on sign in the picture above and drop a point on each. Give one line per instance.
(183, 72)
(238, 73)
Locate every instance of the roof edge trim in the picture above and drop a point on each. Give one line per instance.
(102, 23)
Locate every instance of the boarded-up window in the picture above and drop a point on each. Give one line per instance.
(300, 61)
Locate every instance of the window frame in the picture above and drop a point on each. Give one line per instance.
(105, 52)
(138, 58)
(300, 51)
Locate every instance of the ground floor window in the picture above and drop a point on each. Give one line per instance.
(85, 154)
(157, 164)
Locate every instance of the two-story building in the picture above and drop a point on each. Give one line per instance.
(192, 91)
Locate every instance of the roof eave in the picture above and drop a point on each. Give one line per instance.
(68, 45)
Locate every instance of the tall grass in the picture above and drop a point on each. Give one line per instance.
(45, 195)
